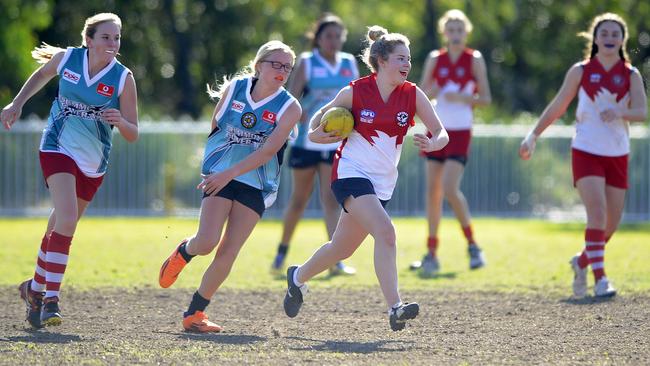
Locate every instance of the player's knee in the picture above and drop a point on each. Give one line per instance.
(386, 234)
(66, 225)
(452, 193)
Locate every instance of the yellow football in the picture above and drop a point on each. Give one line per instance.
(338, 119)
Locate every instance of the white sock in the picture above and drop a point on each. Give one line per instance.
(295, 278)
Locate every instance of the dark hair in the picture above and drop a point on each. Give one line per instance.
(591, 48)
(325, 20)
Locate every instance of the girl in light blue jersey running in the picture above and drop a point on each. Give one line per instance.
(96, 94)
(319, 75)
(241, 171)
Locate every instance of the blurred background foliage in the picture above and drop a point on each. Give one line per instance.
(176, 47)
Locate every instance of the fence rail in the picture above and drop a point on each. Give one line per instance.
(158, 174)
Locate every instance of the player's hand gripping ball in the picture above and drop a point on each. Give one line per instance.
(338, 119)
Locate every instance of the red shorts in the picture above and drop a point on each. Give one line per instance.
(52, 162)
(456, 149)
(612, 168)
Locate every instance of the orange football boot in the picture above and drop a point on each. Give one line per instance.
(198, 322)
(171, 268)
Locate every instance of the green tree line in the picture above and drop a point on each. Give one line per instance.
(176, 47)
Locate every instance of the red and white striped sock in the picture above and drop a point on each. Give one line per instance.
(467, 231)
(38, 282)
(595, 248)
(57, 259)
(432, 244)
(583, 260)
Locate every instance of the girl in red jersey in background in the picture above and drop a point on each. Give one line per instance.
(456, 77)
(610, 94)
(364, 172)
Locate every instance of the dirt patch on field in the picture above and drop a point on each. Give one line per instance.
(142, 326)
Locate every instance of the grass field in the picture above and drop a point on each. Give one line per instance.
(523, 255)
(517, 310)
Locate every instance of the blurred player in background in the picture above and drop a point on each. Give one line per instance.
(456, 77)
(319, 75)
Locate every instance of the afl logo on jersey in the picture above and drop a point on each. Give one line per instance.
(237, 106)
(594, 78)
(402, 119)
(617, 80)
(105, 90)
(460, 72)
(248, 120)
(444, 72)
(366, 116)
(70, 76)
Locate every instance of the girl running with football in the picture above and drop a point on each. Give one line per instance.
(456, 77)
(319, 75)
(610, 95)
(364, 172)
(241, 172)
(96, 94)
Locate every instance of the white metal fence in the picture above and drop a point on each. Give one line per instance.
(158, 174)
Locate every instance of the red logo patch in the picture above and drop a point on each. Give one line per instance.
(346, 72)
(105, 90)
(269, 117)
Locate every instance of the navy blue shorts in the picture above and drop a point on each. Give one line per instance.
(355, 187)
(302, 158)
(242, 193)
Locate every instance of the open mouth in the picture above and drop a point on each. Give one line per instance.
(609, 45)
(404, 73)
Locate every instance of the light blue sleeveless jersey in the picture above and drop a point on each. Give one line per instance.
(74, 126)
(243, 126)
(324, 81)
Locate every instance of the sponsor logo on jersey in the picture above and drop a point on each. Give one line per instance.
(320, 72)
(346, 72)
(269, 117)
(366, 116)
(71, 76)
(460, 72)
(248, 120)
(594, 78)
(105, 90)
(402, 119)
(237, 106)
(444, 72)
(617, 80)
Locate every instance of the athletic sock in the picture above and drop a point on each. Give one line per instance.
(295, 278)
(467, 231)
(283, 249)
(583, 260)
(595, 248)
(432, 244)
(198, 303)
(182, 250)
(56, 259)
(38, 282)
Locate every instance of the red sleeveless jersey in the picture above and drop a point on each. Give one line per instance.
(373, 148)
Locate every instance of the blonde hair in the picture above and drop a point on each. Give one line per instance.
(452, 15)
(45, 52)
(380, 45)
(591, 48)
(250, 69)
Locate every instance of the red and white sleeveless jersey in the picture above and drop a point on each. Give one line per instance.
(454, 77)
(600, 90)
(373, 148)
